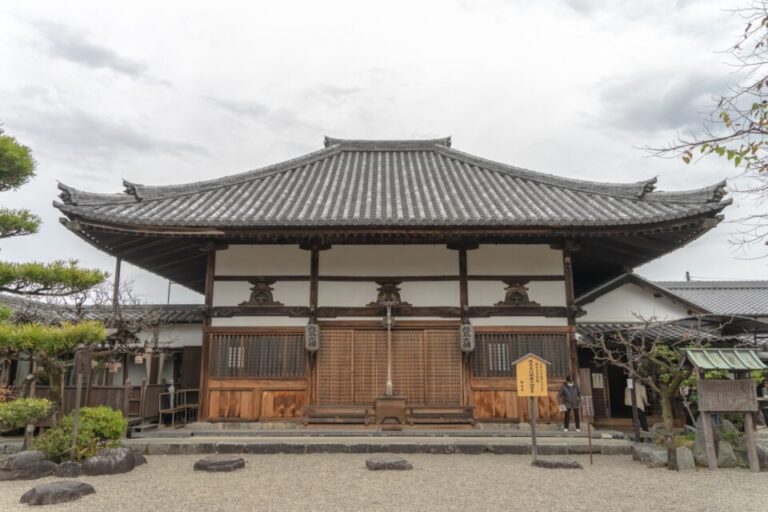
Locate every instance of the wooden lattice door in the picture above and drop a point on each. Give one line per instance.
(352, 366)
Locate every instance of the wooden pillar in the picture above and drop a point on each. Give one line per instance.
(463, 286)
(314, 276)
(205, 352)
(569, 302)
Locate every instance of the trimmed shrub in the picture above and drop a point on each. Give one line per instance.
(100, 427)
(19, 413)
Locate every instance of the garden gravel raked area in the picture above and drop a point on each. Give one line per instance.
(336, 482)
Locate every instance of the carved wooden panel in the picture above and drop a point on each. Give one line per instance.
(334, 367)
(282, 403)
(231, 404)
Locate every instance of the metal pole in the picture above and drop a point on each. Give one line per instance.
(533, 413)
(633, 394)
(168, 300)
(389, 390)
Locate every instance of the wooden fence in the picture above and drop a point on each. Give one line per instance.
(137, 403)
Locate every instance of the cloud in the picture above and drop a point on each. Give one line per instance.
(82, 132)
(68, 44)
(276, 118)
(665, 101)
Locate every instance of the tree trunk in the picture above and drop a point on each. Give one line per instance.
(669, 428)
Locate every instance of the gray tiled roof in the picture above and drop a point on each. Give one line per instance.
(744, 298)
(397, 183)
(29, 310)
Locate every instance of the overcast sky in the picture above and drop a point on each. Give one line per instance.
(157, 93)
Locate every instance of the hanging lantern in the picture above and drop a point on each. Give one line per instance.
(467, 338)
(138, 359)
(312, 337)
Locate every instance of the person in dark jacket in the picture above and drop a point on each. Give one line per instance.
(568, 399)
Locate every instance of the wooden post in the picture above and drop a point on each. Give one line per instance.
(709, 438)
(76, 416)
(532, 413)
(749, 434)
(142, 399)
(127, 397)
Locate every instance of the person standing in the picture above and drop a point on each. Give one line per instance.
(568, 398)
(641, 399)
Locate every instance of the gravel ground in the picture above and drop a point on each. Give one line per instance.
(330, 482)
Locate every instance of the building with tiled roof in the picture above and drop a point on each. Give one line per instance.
(360, 273)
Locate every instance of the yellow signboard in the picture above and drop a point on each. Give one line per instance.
(531, 371)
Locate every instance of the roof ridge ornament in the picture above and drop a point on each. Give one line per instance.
(384, 144)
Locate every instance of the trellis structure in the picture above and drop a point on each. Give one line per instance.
(737, 395)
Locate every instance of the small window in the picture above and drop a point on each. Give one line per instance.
(235, 359)
(498, 357)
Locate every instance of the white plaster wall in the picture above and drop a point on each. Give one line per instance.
(488, 293)
(176, 335)
(389, 260)
(515, 259)
(258, 321)
(262, 260)
(333, 293)
(386, 260)
(627, 302)
(233, 293)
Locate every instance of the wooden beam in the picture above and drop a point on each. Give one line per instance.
(373, 279)
(399, 311)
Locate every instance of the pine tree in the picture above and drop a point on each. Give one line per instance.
(48, 345)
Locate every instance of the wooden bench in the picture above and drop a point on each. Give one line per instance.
(360, 415)
(454, 415)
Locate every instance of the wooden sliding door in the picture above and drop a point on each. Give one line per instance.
(352, 366)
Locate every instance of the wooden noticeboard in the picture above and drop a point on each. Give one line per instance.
(531, 374)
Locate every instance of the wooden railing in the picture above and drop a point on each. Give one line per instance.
(140, 403)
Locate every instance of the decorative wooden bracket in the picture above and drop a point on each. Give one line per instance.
(516, 295)
(389, 292)
(261, 294)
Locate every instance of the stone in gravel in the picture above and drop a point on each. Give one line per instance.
(219, 463)
(110, 461)
(388, 463)
(726, 457)
(57, 492)
(26, 465)
(685, 459)
(226, 447)
(762, 457)
(556, 464)
(69, 469)
(649, 454)
(139, 459)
